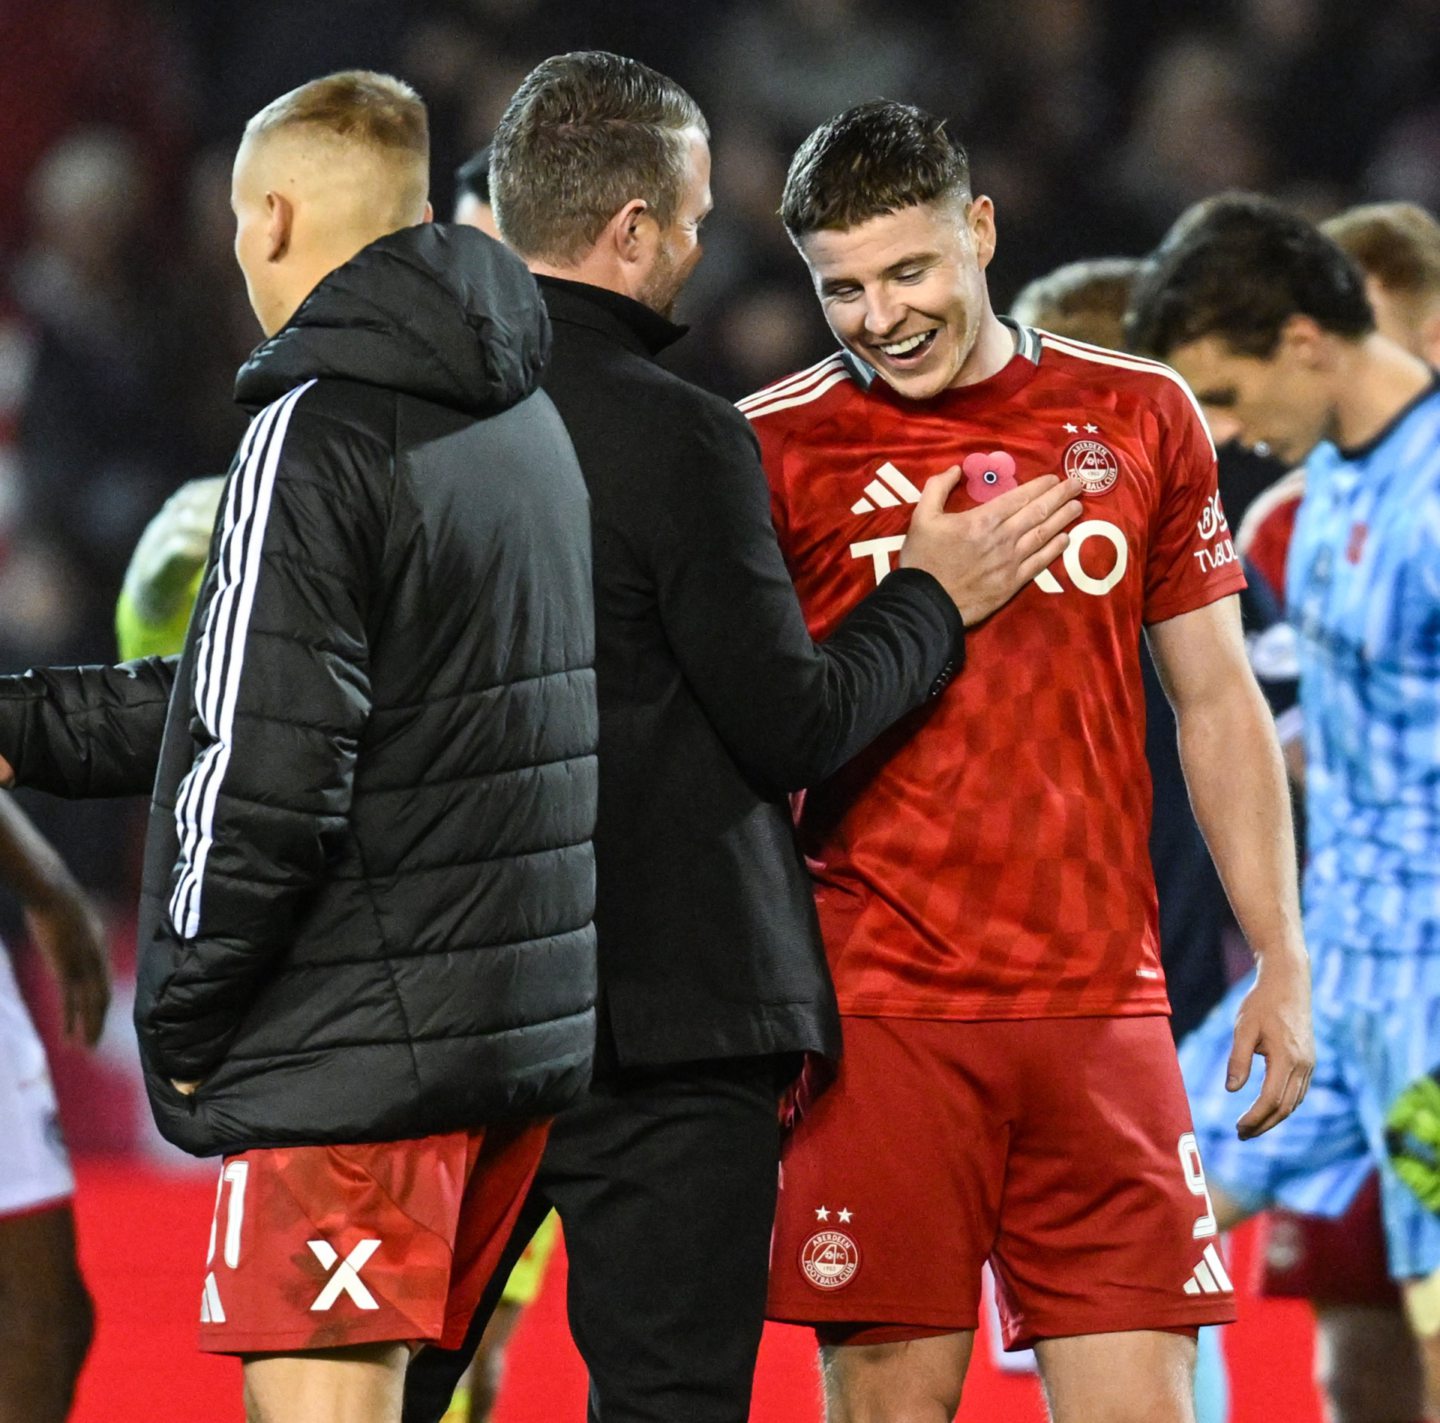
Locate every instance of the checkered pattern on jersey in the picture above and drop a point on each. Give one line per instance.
(1364, 584)
(988, 858)
(1377, 1028)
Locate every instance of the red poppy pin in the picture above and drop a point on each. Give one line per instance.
(988, 475)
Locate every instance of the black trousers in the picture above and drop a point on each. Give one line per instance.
(665, 1181)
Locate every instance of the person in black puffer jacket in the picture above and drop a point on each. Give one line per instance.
(368, 881)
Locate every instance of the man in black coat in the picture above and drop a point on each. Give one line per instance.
(365, 931)
(714, 704)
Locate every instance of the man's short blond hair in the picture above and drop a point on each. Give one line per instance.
(1083, 300)
(374, 113)
(1396, 243)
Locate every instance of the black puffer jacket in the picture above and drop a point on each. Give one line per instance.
(368, 880)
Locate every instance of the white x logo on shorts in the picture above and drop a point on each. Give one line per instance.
(346, 1279)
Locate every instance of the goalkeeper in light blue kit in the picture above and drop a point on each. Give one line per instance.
(1268, 321)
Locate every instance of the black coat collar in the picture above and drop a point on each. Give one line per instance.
(629, 322)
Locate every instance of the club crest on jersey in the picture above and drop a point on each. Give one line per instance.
(829, 1259)
(1093, 464)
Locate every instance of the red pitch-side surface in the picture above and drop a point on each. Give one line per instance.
(143, 1234)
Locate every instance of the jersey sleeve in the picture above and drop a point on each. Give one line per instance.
(1191, 560)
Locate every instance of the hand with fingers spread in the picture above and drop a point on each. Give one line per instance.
(985, 555)
(1274, 1022)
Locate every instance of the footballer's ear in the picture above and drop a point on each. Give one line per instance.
(1304, 340)
(632, 232)
(279, 225)
(980, 217)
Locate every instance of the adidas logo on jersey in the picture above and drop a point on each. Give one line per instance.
(1209, 1277)
(888, 489)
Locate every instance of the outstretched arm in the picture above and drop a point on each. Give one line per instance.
(84, 732)
(1237, 786)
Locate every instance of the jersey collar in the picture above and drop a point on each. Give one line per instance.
(635, 325)
(1353, 454)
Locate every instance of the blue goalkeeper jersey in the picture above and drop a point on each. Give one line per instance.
(1364, 592)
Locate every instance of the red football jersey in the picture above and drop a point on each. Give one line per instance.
(988, 857)
(1268, 526)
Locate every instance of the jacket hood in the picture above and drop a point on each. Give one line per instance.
(445, 314)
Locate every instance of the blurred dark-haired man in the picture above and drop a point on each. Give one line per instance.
(715, 702)
(1271, 322)
(472, 194)
(1009, 1088)
(1368, 1361)
(1396, 247)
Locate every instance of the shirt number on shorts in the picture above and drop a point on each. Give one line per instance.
(235, 1175)
(1195, 1181)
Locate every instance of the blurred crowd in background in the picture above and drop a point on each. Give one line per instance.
(1092, 123)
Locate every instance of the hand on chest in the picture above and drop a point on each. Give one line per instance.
(864, 496)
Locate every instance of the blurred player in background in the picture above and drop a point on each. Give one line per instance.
(982, 882)
(1084, 300)
(472, 194)
(165, 571)
(46, 1319)
(1367, 1360)
(1270, 322)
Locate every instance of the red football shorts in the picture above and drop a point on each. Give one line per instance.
(320, 1247)
(1060, 1149)
(1330, 1262)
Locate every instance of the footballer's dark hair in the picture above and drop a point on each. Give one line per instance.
(585, 134)
(1239, 266)
(873, 159)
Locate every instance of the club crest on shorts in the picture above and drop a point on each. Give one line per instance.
(829, 1259)
(1093, 464)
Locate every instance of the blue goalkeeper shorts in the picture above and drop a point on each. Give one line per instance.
(1377, 1028)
